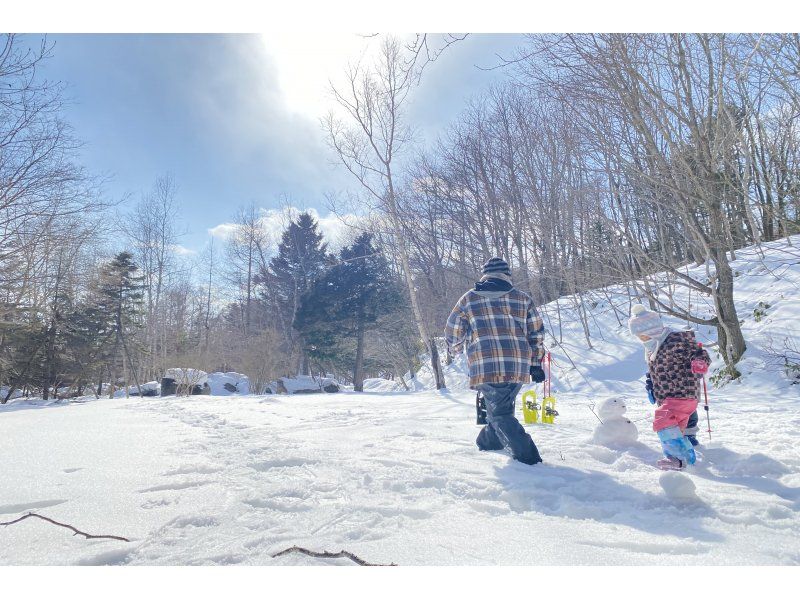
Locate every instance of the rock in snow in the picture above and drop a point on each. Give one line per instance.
(149, 389)
(303, 385)
(187, 376)
(228, 383)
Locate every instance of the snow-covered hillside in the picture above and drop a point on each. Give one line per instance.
(395, 477)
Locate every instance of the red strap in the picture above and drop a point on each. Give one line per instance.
(547, 374)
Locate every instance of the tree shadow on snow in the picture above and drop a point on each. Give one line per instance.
(749, 471)
(446, 394)
(561, 491)
(629, 368)
(28, 404)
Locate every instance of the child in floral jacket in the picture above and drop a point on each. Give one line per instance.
(675, 363)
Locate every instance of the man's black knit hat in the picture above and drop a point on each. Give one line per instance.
(496, 266)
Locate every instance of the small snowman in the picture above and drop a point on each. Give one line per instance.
(616, 429)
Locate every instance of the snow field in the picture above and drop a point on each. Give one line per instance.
(391, 478)
(396, 477)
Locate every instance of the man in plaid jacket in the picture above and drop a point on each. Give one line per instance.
(504, 336)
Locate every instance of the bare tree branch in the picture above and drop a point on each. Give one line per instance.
(77, 531)
(331, 555)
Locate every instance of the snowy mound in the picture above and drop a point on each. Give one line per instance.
(456, 373)
(677, 486)
(381, 385)
(228, 383)
(767, 302)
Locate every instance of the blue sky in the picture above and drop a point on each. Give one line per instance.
(234, 118)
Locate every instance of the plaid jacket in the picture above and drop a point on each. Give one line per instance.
(503, 333)
(671, 368)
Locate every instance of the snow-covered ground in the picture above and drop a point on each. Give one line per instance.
(396, 477)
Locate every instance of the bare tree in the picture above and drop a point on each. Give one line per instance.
(369, 141)
(669, 130)
(153, 233)
(47, 203)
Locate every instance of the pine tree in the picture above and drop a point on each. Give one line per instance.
(346, 303)
(121, 300)
(90, 336)
(24, 366)
(301, 260)
(41, 341)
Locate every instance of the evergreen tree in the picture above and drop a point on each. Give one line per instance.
(121, 300)
(338, 311)
(301, 260)
(41, 341)
(90, 336)
(24, 366)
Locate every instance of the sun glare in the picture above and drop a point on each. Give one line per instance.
(307, 62)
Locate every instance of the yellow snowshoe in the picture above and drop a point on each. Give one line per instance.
(549, 412)
(530, 407)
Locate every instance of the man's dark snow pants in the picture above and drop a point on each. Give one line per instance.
(503, 429)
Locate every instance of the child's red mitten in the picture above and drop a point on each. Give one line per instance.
(699, 366)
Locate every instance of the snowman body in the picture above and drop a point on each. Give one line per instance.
(616, 429)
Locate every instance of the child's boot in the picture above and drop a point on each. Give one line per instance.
(675, 445)
(670, 463)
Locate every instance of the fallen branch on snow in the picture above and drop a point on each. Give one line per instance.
(331, 555)
(77, 531)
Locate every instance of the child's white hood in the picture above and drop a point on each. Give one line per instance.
(652, 346)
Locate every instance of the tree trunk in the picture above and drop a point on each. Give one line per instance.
(11, 389)
(731, 340)
(113, 367)
(358, 370)
(249, 288)
(402, 379)
(436, 365)
(125, 377)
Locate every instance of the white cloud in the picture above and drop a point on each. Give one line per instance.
(182, 251)
(335, 229)
(222, 231)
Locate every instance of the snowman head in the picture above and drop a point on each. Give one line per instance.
(612, 408)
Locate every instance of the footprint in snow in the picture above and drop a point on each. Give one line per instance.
(280, 463)
(155, 504)
(193, 521)
(177, 486)
(199, 469)
(29, 506)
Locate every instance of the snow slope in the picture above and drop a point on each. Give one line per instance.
(395, 477)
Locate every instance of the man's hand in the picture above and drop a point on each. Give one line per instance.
(537, 373)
